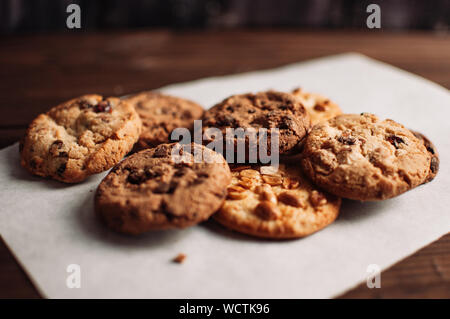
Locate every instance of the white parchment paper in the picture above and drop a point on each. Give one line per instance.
(49, 225)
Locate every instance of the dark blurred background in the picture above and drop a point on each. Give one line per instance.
(24, 16)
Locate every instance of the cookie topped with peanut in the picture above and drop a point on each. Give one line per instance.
(271, 202)
(319, 108)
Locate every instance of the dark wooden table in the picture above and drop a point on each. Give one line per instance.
(40, 71)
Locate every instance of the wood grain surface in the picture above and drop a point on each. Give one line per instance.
(38, 72)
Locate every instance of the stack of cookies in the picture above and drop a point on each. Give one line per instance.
(325, 156)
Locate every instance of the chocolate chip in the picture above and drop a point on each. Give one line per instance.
(186, 114)
(226, 120)
(395, 140)
(251, 111)
(434, 166)
(58, 144)
(200, 178)
(180, 172)
(320, 107)
(136, 178)
(431, 150)
(149, 173)
(85, 105)
(61, 169)
(103, 106)
(173, 185)
(56, 149)
(346, 140)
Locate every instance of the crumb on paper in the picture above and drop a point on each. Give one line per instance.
(179, 259)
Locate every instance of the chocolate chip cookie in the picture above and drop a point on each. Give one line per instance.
(364, 158)
(160, 115)
(319, 107)
(153, 189)
(261, 110)
(270, 203)
(434, 164)
(81, 137)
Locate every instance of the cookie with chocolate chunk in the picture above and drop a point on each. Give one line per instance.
(170, 186)
(434, 164)
(160, 115)
(319, 107)
(276, 203)
(80, 137)
(362, 157)
(263, 110)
